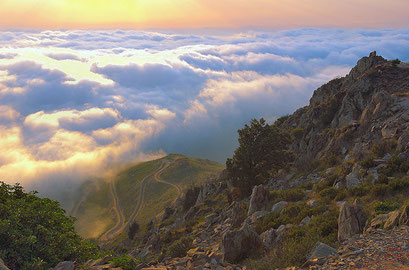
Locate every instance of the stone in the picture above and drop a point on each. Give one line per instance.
(67, 265)
(279, 206)
(258, 200)
(312, 203)
(258, 216)
(321, 250)
(351, 220)
(238, 244)
(352, 179)
(237, 214)
(211, 219)
(268, 238)
(305, 221)
(3, 266)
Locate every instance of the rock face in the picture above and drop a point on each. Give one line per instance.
(258, 200)
(269, 238)
(65, 266)
(237, 214)
(238, 244)
(351, 220)
(321, 250)
(3, 266)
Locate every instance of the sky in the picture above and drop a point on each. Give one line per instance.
(87, 85)
(188, 14)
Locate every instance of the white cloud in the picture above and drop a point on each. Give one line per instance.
(75, 101)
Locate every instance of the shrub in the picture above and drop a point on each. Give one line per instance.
(367, 163)
(297, 133)
(395, 62)
(322, 185)
(190, 198)
(385, 207)
(125, 262)
(398, 184)
(379, 190)
(328, 194)
(292, 195)
(359, 191)
(35, 233)
(180, 247)
(133, 229)
(381, 148)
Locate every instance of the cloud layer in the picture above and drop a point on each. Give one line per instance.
(74, 103)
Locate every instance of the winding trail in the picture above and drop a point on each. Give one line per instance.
(121, 225)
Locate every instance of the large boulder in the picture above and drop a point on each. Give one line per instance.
(238, 244)
(269, 238)
(258, 200)
(3, 266)
(351, 220)
(321, 250)
(65, 266)
(279, 206)
(353, 179)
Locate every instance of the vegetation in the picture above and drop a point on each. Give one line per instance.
(133, 229)
(180, 247)
(262, 149)
(35, 233)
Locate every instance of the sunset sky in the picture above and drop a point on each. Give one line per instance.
(187, 14)
(87, 85)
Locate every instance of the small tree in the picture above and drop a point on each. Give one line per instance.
(133, 230)
(262, 149)
(190, 198)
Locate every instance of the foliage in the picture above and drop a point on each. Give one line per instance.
(291, 195)
(262, 149)
(328, 194)
(35, 233)
(125, 262)
(395, 62)
(297, 132)
(180, 247)
(385, 207)
(133, 229)
(379, 149)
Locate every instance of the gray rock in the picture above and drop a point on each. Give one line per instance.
(257, 216)
(269, 238)
(237, 214)
(312, 203)
(351, 220)
(305, 221)
(321, 250)
(258, 200)
(238, 244)
(3, 266)
(352, 179)
(279, 206)
(68, 265)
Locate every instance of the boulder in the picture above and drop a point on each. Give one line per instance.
(258, 216)
(353, 179)
(321, 250)
(3, 266)
(269, 238)
(237, 214)
(305, 221)
(67, 265)
(312, 203)
(351, 220)
(279, 206)
(238, 244)
(258, 200)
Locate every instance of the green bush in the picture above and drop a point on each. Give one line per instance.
(125, 262)
(297, 133)
(35, 233)
(381, 148)
(328, 194)
(385, 207)
(322, 185)
(180, 247)
(367, 163)
(399, 184)
(359, 191)
(379, 190)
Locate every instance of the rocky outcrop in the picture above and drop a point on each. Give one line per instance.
(269, 238)
(321, 250)
(238, 244)
(258, 200)
(3, 266)
(351, 220)
(208, 189)
(279, 206)
(65, 266)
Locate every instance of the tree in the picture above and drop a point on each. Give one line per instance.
(133, 229)
(35, 233)
(262, 150)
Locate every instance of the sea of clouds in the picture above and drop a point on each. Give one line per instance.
(74, 103)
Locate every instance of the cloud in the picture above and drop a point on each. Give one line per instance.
(75, 102)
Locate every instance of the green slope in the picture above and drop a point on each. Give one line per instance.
(95, 209)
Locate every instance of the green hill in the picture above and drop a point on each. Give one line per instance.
(107, 204)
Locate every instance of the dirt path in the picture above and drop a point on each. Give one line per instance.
(156, 177)
(121, 225)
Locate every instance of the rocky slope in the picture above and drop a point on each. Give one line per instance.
(339, 204)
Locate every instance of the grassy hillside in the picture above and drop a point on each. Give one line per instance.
(95, 210)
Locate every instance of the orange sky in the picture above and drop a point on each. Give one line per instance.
(142, 14)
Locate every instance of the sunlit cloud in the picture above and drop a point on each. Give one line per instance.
(76, 103)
